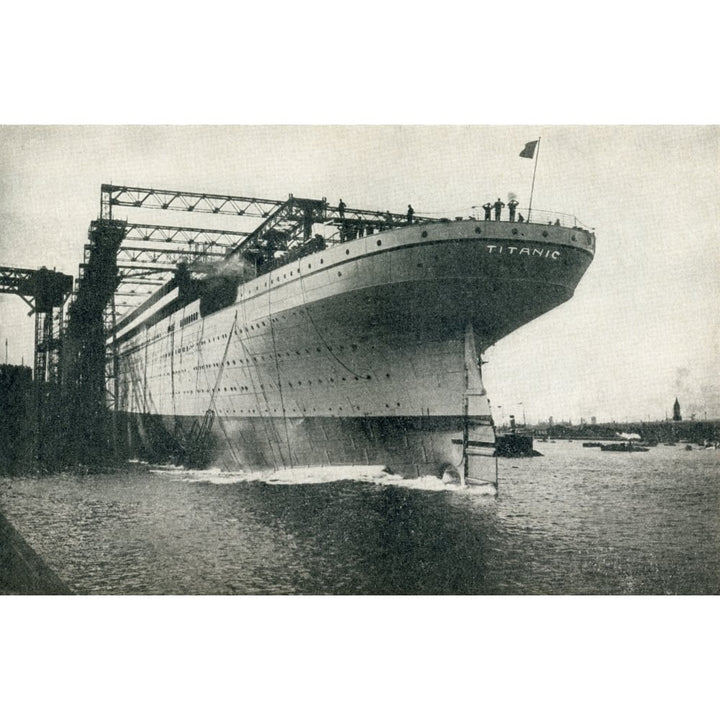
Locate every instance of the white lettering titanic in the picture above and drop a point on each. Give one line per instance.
(535, 252)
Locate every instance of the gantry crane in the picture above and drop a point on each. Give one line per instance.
(45, 291)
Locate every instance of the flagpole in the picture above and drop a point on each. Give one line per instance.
(532, 188)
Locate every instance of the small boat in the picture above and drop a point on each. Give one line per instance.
(624, 447)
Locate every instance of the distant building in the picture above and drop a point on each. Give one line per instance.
(677, 417)
(550, 421)
(593, 420)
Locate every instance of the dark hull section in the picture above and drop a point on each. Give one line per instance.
(408, 446)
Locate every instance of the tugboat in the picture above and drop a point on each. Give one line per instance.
(515, 444)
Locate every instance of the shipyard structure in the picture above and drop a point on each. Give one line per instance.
(313, 334)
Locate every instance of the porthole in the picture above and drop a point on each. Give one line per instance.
(544, 233)
(347, 252)
(379, 242)
(424, 233)
(514, 231)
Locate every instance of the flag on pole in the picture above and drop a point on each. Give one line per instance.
(529, 149)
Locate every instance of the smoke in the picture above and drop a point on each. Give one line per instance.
(234, 266)
(512, 196)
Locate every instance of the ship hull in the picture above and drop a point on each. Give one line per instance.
(356, 354)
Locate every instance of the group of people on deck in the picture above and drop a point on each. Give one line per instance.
(354, 227)
(498, 205)
(388, 215)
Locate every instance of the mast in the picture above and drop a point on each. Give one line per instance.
(532, 187)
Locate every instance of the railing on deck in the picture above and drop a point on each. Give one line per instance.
(539, 217)
(549, 217)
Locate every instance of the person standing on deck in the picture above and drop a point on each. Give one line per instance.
(512, 204)
(499, 205)
(341, 209)
(487, 207)
(410, 213)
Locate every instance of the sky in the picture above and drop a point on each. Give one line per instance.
(641, 329)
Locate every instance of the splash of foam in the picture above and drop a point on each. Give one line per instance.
(376, 474)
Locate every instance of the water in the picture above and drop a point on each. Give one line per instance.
(576, 521)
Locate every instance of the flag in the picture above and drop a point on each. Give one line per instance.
(529, 149)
